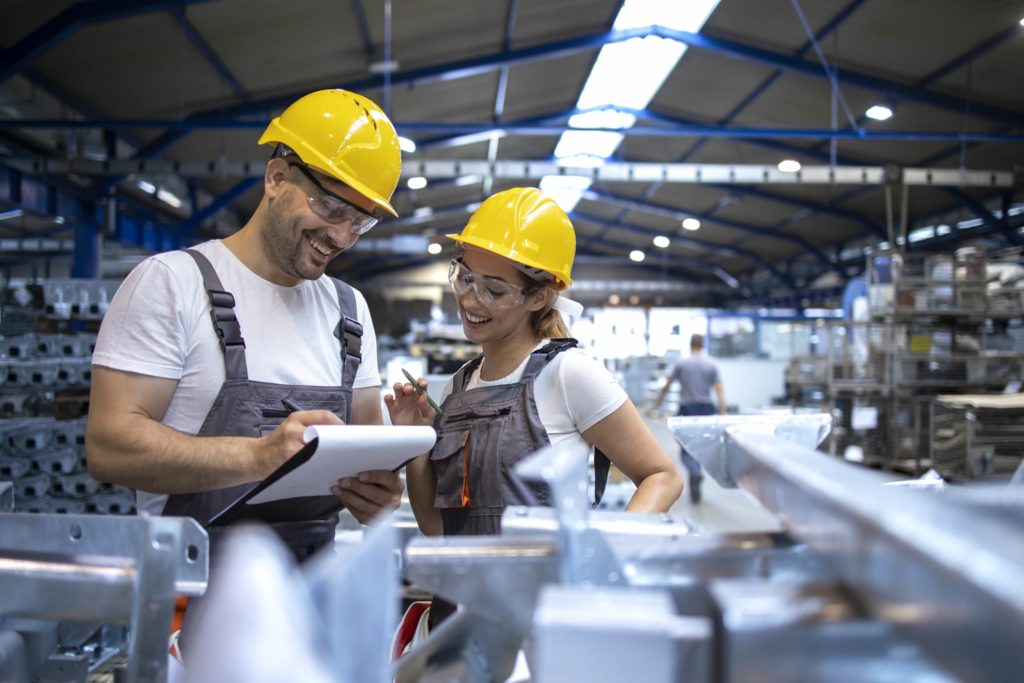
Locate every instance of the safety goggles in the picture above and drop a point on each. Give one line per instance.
(489, 291)
(336, 209)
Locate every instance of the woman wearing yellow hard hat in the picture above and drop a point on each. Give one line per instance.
(531, 387)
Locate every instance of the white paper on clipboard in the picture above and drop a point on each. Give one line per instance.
(345, 451)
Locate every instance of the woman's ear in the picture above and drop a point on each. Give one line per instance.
(542, 297)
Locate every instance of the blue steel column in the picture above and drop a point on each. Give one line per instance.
(86, 262)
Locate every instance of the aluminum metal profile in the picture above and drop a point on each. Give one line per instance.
(946, 576)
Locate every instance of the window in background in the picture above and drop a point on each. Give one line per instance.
(732, 337)
(670, 329)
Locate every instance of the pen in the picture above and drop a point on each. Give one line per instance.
(420, 390)
(290, 406)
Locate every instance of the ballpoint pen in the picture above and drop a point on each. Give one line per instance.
(290, 406)
(421, 390)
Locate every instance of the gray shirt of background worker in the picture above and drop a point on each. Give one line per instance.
(696, 376)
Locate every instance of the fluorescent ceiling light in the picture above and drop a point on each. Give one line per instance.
(169, 198)
(1021, 22)
(433, 248)
(789, 165)
(691, 224)
(595, 143)
(59, 220)
(661, 241)
(879, 113)
(615, 80)
(423, 211)
(13, 213)
(473, 138)
(602, 118)
(148, 188)
(566, 190)
(681, 16)
(406, 145)
(416, 182)
(637, 255)
(468, 180)
(581, 161)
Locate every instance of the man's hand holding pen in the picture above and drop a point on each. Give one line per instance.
(365, 496)
(271, 451)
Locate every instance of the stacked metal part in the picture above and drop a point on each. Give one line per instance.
(45, 370)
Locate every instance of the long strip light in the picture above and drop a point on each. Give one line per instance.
(616, 82)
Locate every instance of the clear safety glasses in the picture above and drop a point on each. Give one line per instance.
(336, 209)
(489, 291)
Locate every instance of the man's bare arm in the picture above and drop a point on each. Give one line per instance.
(125, 442)
(720, 393)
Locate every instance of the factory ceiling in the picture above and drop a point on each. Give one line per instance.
(765, 144)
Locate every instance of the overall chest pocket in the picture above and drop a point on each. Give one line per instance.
(466, 459)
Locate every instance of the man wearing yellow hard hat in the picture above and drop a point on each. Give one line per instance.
(211, 362)
(531, 387)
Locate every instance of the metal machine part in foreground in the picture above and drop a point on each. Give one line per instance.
(99, 570)
(867, 583)
(943, 573)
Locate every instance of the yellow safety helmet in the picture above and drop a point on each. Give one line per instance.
(345, 135)
(527, 226)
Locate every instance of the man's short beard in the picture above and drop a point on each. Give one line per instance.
(283, 241)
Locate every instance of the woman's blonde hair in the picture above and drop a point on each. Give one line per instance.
(548, 323)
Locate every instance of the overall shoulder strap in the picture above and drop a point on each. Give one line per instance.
(540, 358)
(349, 332)
(222, 313)
(462, 375)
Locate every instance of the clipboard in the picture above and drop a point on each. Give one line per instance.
(299, 490)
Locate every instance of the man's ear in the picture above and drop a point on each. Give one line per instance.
(275, 176)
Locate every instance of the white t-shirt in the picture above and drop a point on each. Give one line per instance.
(573, 393)
(158, 324)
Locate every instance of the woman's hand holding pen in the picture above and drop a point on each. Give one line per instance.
(407, 406)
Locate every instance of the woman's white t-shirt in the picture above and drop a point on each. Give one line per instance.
(573, 392)
(158, 324)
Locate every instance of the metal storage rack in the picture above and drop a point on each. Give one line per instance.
(933, 329)
(47, 335)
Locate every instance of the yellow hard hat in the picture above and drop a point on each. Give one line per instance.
(527, 226)
(346, 136)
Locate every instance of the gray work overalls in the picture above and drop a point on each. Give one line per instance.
(248, 408)
(482, 433)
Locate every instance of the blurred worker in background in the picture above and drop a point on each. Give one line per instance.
(696, 376)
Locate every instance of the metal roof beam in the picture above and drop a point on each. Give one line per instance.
(836, 21)
(214, 60)
(483, 127)
(891, 89)
(364, 29)
(683, 241)
(68, 22)
(188, 227)
(679, 214)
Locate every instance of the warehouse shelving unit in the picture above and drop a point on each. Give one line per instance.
(932, 329)
(47, 334)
